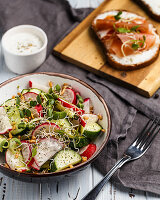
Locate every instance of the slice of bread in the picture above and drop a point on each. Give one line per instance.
(133, 61)
(152, 7)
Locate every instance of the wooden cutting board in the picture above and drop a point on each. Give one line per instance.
(81, 48)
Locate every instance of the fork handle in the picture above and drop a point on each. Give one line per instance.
(95, 191)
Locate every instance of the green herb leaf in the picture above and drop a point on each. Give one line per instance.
(22, 125)
(50, 113)
(80, 105)
(117, 17)
(50, 91)
(33, 103)
(49, 96)
(144, 38)
(135, 46)
(50, 102)
(18, 101)
(21, 113)
(34, 152)
(39, 100)
(134, 28)
(123, 30)
(59, 115)
(80, 99)
(28, 113)
(55, 96)
(58, 88)
(76, 117)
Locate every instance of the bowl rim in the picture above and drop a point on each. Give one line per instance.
(77, 167)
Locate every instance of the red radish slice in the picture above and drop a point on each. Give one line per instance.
(27, 152)
(90, 118)
(87, 104)
(82, 122)
(37, 111)
(46, 149)
(69, 95)
(15, 161)
(35, 166)
(30, 83)
(78, 93)
(45, 128)
(5, 125)
(30, 96)
(88, 151)
(69, 105)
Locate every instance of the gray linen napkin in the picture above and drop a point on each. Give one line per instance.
(57, 19)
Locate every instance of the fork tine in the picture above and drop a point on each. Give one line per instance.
(143, 132)
(149, 134)
(148, 143)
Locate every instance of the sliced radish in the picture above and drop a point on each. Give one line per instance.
(71, 106)
(78, 93)
(82, 121)
(37, 111)
(90, 118)
(45, 128)
(30, 84)
(88, 151)
(5, 125)
(27, 152)
(30, 96)
(46, 149)
(35, 166)
(15, 161)
(87, 104)
(39, 86)
(69, 95)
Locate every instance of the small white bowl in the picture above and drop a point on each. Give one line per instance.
(24, 63)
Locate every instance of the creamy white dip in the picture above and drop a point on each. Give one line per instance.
(24, 43)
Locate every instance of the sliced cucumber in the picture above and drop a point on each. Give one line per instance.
(3, 143)
(9, 103)
(79, 142)
(35, 90)
(64, 159)
(91, 130)
(46, 165)
(65, 125)
(70, 113)
(14, 116)
(24, 91)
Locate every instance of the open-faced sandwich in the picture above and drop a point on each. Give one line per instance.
(130, 41)
(152, 7)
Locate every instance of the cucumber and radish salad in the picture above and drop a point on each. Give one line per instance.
(48, 129)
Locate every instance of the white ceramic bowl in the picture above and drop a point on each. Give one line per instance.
(21, 64)
(9, 88)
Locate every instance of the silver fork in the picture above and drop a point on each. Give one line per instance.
(134, 151)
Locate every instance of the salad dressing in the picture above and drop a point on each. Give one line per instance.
(24, 43)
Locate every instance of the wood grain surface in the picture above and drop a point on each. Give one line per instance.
(81, 48)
